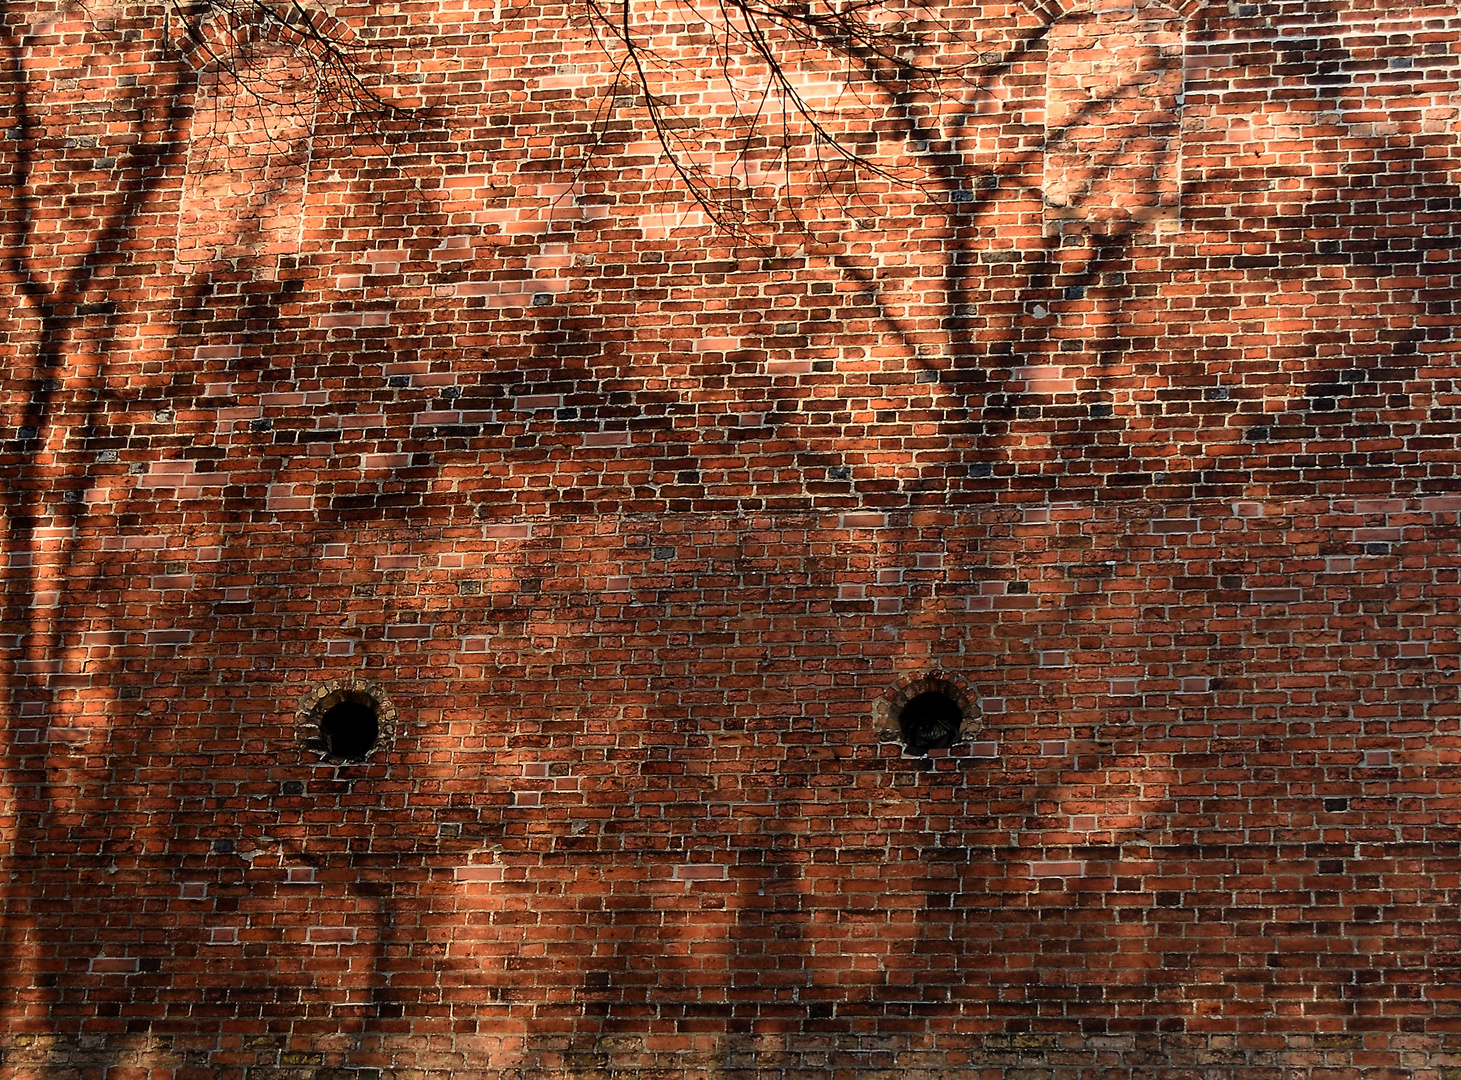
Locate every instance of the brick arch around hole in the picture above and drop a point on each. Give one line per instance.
(311, 718)
(888, 710)
(221, 34)
(1055, 10)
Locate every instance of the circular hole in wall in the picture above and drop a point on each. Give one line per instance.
(345, 720)
(929, 721)
(931, 711)
(350, 729)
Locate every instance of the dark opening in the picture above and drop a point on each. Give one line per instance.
(350, 729)
(929, 721)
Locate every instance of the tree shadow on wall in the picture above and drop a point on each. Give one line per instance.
(85, 864)
(66, 311)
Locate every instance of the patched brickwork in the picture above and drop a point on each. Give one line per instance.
(1115, 399)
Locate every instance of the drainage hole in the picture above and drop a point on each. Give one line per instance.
(350, 729)
(929, 721)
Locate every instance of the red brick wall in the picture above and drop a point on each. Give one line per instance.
(1127, 406)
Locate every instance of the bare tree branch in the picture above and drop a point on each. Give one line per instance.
(877, 47)
(235, 36)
